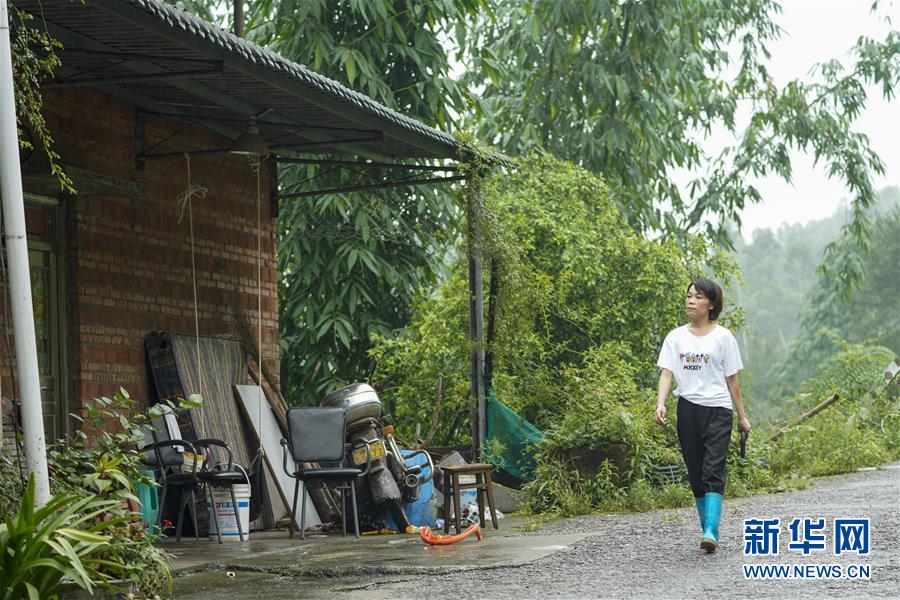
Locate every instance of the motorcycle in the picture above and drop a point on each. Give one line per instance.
(390, 482)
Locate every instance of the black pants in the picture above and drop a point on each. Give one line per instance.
(704, 433)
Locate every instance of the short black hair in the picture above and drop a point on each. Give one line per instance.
(713, 292)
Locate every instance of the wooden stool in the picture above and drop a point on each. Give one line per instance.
(452, 486)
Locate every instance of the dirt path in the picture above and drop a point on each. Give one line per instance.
(656, 555)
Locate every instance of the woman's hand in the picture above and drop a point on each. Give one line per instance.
(744, 424)
(662, 392)
(661, 414)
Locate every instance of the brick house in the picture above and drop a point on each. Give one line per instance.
(114, 262)
(141, 84)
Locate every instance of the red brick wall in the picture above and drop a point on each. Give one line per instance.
(128, 259)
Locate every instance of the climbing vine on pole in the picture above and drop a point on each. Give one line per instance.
(477, 162)
(34, 59)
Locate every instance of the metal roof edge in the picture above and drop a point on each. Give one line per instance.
(292, 77)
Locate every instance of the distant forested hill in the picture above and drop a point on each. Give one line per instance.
(779, 279)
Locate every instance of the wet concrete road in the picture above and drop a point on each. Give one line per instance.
(647, 555)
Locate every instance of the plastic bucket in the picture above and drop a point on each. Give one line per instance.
(225, 512)
(149, 501)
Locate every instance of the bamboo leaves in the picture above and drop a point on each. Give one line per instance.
(350, 264)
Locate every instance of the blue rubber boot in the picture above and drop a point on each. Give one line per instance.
(710, 539)
(701, 510)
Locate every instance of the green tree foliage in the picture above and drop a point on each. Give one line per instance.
(350, 264)
(871, 313)
(630, 90)
(874, 311)
(394, 52)
(581, 300)
(779, 271)
(627, 89)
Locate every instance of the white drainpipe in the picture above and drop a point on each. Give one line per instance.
(19, 275)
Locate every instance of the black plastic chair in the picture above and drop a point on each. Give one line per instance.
(222, 475)
(164, 456)
(317, 436)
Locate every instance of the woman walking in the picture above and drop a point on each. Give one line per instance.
(704, 359)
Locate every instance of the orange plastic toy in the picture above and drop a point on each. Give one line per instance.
(437, 539)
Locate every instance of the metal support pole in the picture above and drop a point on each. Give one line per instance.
(476, 312)
(19, 275)
(493, 291)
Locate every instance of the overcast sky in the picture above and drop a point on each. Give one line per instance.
(816, 31)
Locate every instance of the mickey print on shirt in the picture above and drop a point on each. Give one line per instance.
(693, 361)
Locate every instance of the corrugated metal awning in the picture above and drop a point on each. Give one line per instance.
(169, 62)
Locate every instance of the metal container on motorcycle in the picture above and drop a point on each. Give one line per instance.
(358, 400)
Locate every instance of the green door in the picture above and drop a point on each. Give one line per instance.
(41, 224)
(43, 293)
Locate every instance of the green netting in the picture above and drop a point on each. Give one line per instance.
(516, 436)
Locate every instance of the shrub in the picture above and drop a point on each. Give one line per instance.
(583, 305)
(64, 538)
(103, 457)
(580, 294)
(856, 431)
(848, 434)
(556, 488)
(11, 487)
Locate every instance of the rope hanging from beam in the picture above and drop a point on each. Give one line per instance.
(185, 200)
(255, 161)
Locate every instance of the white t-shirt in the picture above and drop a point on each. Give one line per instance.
(700, 364)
